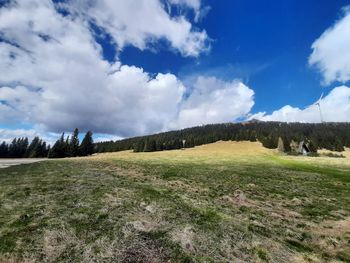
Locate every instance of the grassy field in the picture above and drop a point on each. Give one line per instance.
(224, 202)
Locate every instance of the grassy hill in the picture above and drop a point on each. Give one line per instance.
(331, 136)
(221, 202)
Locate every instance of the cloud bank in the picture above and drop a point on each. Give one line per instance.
(54, 76)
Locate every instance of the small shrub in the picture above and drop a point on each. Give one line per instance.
(262, 254)
(333, 155)
(344, 256)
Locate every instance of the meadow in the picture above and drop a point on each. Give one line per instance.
(222, 202)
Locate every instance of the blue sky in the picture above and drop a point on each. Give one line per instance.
(126, 68)
(264, 44)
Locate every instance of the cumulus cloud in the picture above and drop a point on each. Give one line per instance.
(141, 22)
(335, 107)
(54, 76)
(331, 51)
(214, 100)
(65, 81)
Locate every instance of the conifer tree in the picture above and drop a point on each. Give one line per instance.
(58, 150)
(312, 147)
(32, 150)
(87, 145)
(286, 144)
(74, 143)
(150, 146)
(3, 150)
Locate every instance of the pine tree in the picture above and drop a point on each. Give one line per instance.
(338, 146)
(13, 149)
(58, 150)
(87, 145)
(32, 150)
(138, 146)
(286, 144)
(3, 150)
(312, 147)
(150, 146)
(74, 143)
(66, 147)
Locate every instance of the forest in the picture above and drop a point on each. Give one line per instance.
(332, 136)
(37, 148)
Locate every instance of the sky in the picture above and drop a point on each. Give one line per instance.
(124, 68)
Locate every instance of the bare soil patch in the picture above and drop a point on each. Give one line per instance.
(11, 162)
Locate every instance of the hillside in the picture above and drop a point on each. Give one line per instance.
(331, 136)
(221, 202)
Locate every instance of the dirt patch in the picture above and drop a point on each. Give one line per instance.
(4, 163)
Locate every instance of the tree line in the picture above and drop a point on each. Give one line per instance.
(331, 136)
(64, 147)
(21, 148)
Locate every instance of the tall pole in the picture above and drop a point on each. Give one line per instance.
(319, 107)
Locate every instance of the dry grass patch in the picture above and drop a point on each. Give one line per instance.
(345, 153)
(221, 150)
(184, 236)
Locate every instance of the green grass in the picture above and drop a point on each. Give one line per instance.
(156, 210)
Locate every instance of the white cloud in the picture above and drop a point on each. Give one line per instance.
(214, 100)
(142, 22)
(77, 87)
(335, 107)
(331, 52)
(53, 75)
(16, 103)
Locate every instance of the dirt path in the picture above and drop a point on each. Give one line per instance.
(10, 162)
